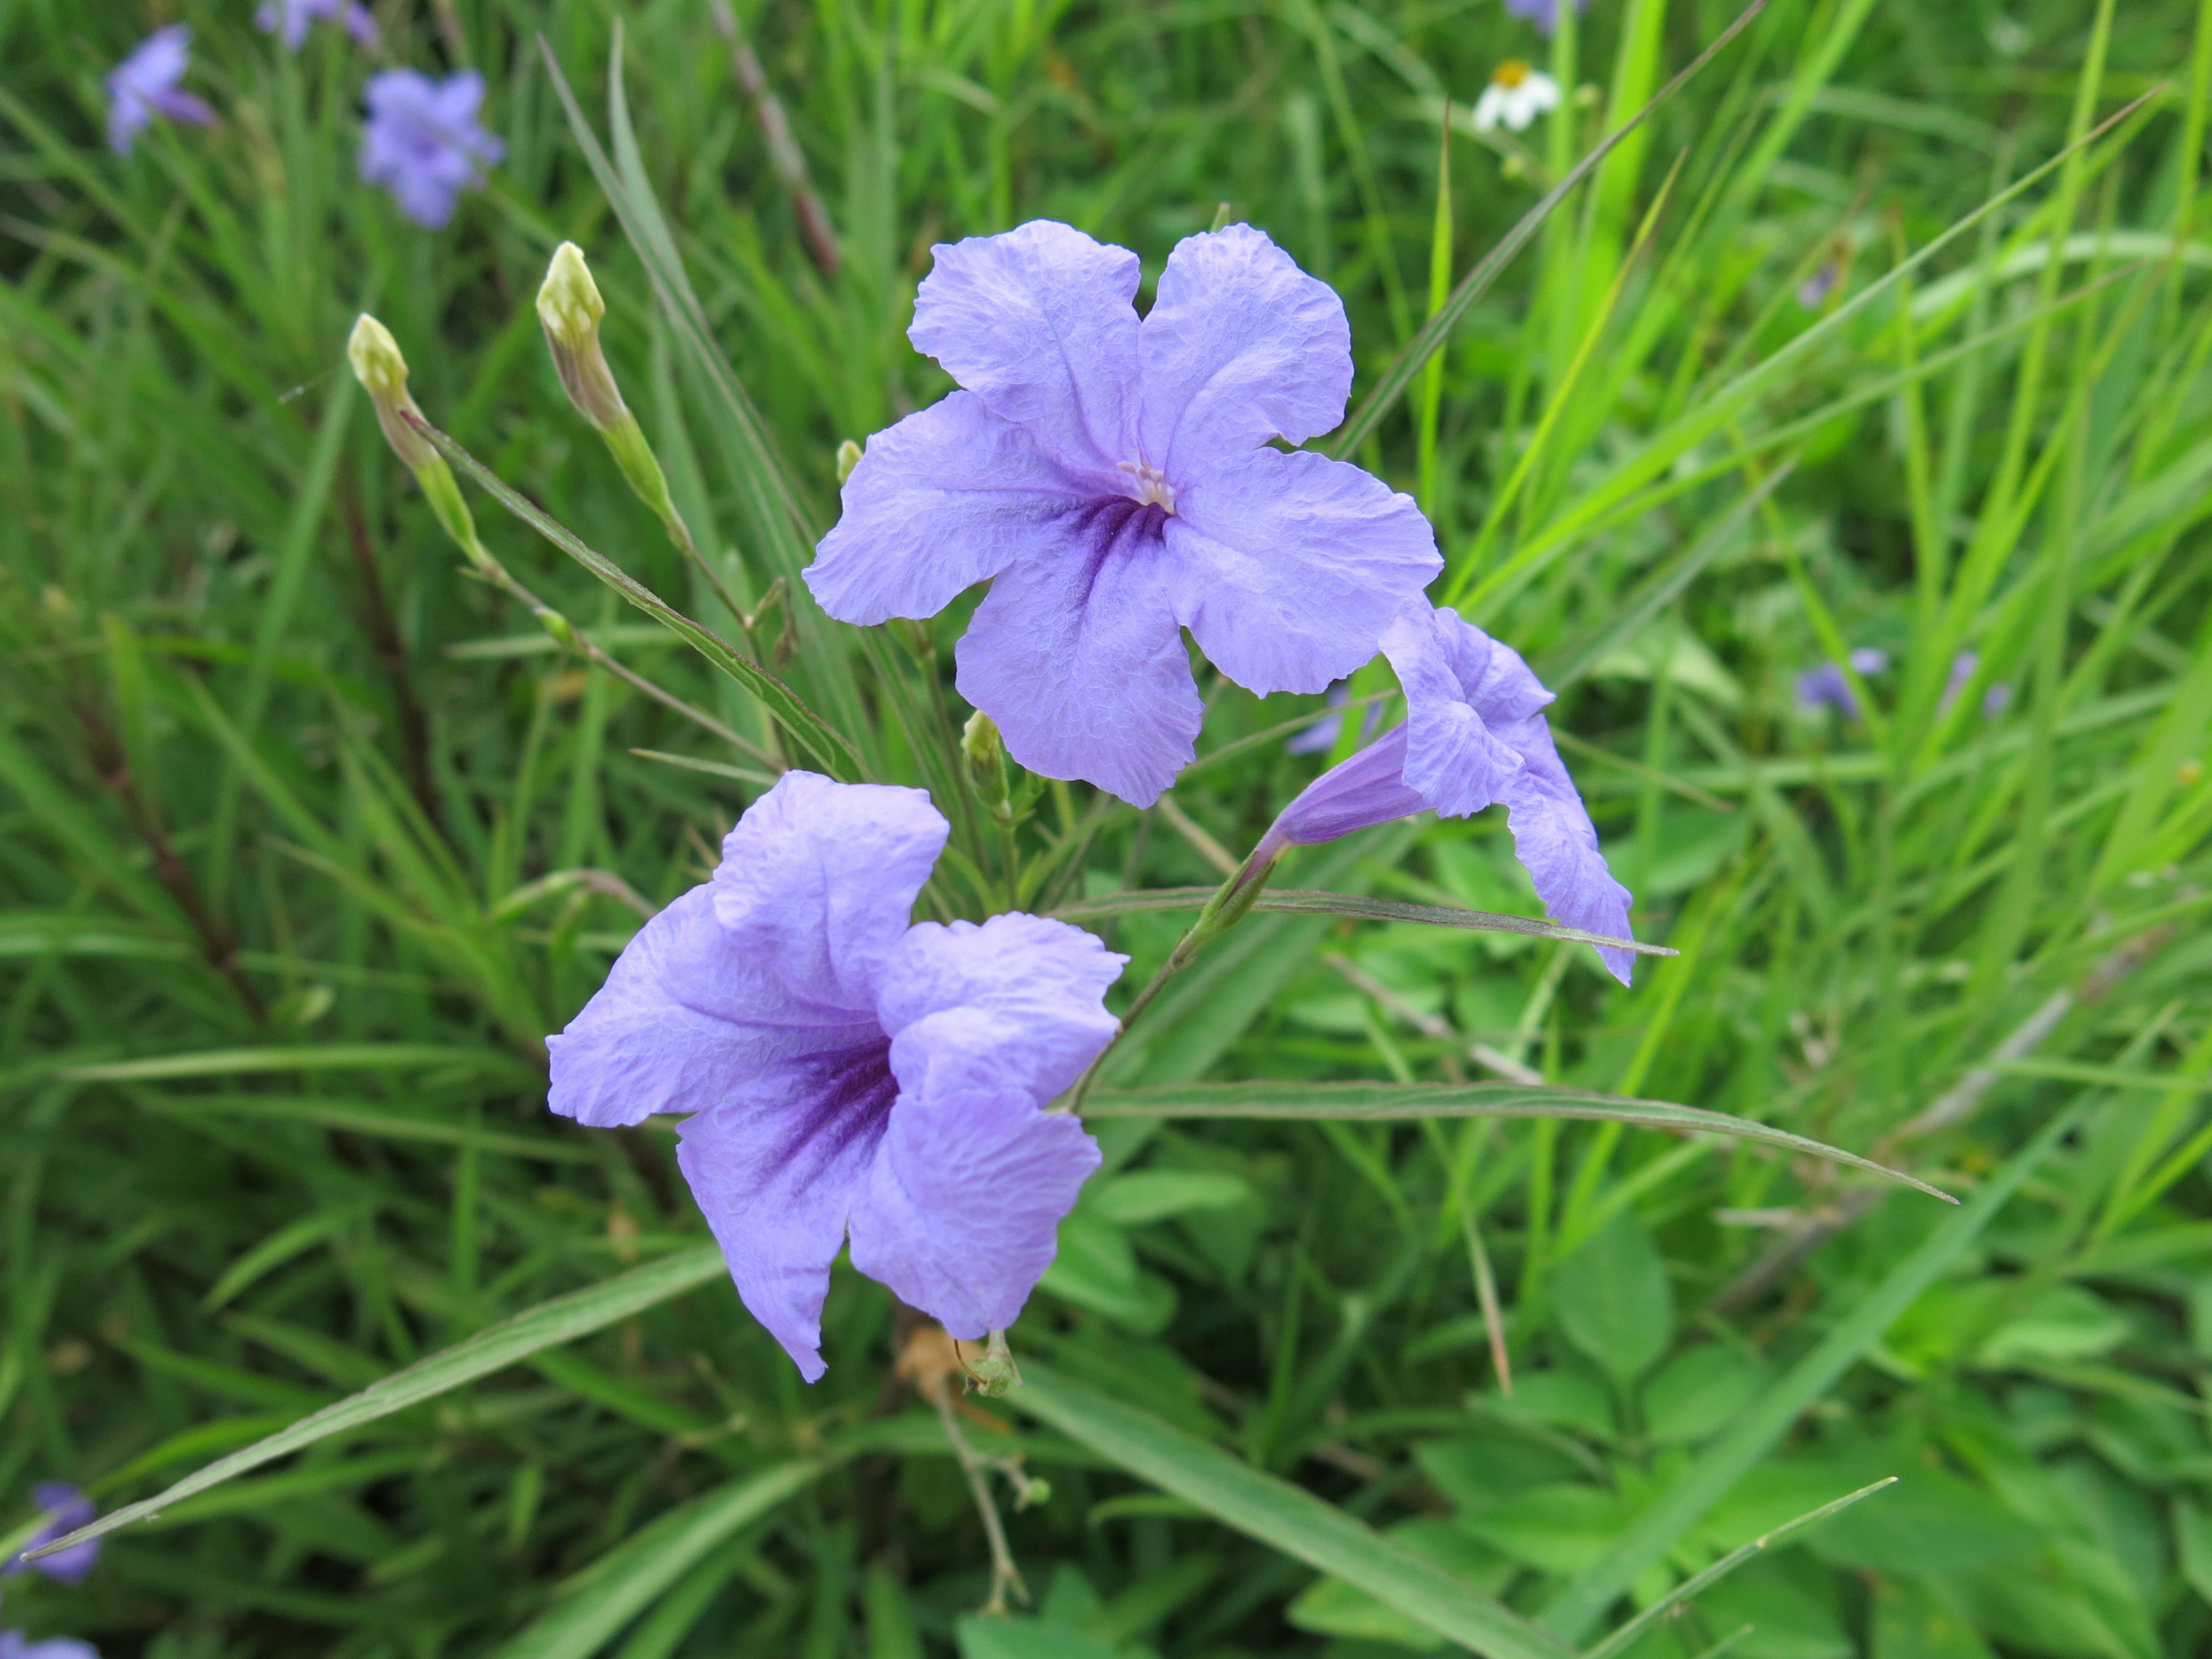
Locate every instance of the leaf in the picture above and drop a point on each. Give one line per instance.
(1286, 1517)
(1096, 1268)
(1664, 1521)
(1150, 1195)
(369, 1117)
(1613, 1300)
(1397, 1103)
(1302, 901)
(629, 1578)
(1699, 1391)
(563, 1319)
(829, 746)
(319, 1057)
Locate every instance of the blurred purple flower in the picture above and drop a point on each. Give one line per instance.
(1544, 14)
(1320, 737)
(14, 1644)
(421, 141)
(145, 85)
(1813, 292)
(846, 1070)
(291, 18)
(1826, 686)
(66, 1509)
(1114, 477)
(1474, 734)
(1996, 699)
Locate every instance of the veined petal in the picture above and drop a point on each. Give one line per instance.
(1038, 324)
(1288, 568)
(688, 1018)
(1016, 1003)
(1453, 757)
(961, 1212)
(1557, 844)
(1355, 793)
(777, 1176)
(1075, 655)
(947, 497)
(819, 879)
(1240, 346)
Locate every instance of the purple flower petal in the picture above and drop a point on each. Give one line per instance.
(1000, 1172)
(1288, 568)
(1015, 1004)
(14, 1644)
(1038, 323)
(1461, 686)
(1557, 844)
(947, 497)
(1077, 657)
(689, 1017)
(1357, 794)
(145, 84)
(421, 141)
(1240, 346)
(819, 878)
(777, 1176)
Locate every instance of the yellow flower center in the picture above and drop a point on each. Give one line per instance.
(1510, 74)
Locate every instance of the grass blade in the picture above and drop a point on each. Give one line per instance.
(1400, 1103)
(1287, 1518)
(1299, 901)
(563, 1319)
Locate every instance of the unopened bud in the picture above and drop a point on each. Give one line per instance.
(848, 456)
(558, 626)
(570, 308)
(382, 373)
(986, 754)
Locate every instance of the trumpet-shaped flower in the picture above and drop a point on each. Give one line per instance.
(1516, 96)
(1474, 734)
(66, 1509)
(1115, 480)
(145, 85)
(421, 141)
(290, 19)
(847, 1073)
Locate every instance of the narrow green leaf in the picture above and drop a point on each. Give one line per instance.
(563, 1319)
(369, 1117)
(323, 1057)
(1620, 1640)
(629, 1578)
(1286, 1517)
(829, 746)
(1660, 1527)
(1297, 901)
(1399, 1103)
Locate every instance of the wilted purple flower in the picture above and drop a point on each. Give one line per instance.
(1826, 687)
(1474, 734)
(145, 85)
(14, 1644)
(1114, 475)
(1544, 14)
(66, 1509)
(846, 1071)
(290, 19)
(421, 141)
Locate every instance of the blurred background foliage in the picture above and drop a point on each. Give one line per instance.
(305, 839)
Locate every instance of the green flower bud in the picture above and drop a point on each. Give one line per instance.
(382, 373)
(570, 309)
(848, 456)
(986, 754)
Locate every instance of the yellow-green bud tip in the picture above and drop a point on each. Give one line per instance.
(568, 302)
(376, 361)
(848, 456)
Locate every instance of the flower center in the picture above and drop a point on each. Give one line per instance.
(1152, 486)
(1510, 74)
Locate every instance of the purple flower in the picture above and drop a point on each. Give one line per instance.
(145, 85)
(1544, 14)
(1114, 477)
(421, 141)
(14, 1644)
(1813, 292)
(849, 1073)
(1826, 687)
(1474, 734)
(290, 19)
(66, 1509)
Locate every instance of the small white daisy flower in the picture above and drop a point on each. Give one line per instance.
(1516, 96)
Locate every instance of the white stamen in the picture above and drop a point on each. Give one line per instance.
(1152, 485)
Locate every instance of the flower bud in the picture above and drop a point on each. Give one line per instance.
(986, 755)
(848, 456)
(570, 308)
(382, 373)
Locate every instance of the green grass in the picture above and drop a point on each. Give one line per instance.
(286, 802)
